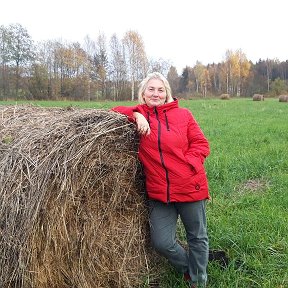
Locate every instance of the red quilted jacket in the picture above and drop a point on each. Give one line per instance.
(173, 154)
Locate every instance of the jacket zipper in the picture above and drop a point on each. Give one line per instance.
(166, 120)
(161, 155)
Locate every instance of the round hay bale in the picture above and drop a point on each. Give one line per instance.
(72, 209)
(224, 96)
(283, 98)
(258, 97)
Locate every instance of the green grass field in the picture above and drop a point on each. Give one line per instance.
(248, 179)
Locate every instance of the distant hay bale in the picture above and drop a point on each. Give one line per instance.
(224, 97)
(258, 97)
(72, 213)
(283, 98)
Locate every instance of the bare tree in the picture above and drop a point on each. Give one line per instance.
(269, 65)
(90, 49)
(213, 70)
(39, 74)
(162, 66)
(101, 63)
(117, 66)
(47, 55)
(136, 58)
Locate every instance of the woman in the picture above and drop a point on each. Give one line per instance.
(172, 150)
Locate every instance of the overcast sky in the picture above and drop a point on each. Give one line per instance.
(181, 31)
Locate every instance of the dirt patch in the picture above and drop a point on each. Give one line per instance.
(254, 185)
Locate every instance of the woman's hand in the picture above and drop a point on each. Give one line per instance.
(142, 124)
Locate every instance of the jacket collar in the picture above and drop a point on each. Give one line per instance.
(162, 108)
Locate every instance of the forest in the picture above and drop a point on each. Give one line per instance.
(111, 69)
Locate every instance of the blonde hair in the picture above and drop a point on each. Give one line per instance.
(144, 83)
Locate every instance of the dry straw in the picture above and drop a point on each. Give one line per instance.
(283, 98)
(224, 96)
(258, 97)
(72, 210)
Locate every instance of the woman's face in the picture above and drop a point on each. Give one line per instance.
(155, 93)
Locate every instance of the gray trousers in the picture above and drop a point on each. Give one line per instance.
(163, 222)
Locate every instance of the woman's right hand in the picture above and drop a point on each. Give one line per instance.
(142, 124)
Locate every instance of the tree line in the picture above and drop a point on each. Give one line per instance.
(111, 69)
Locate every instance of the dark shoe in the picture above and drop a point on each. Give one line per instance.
(187, 277)
(220, 257)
